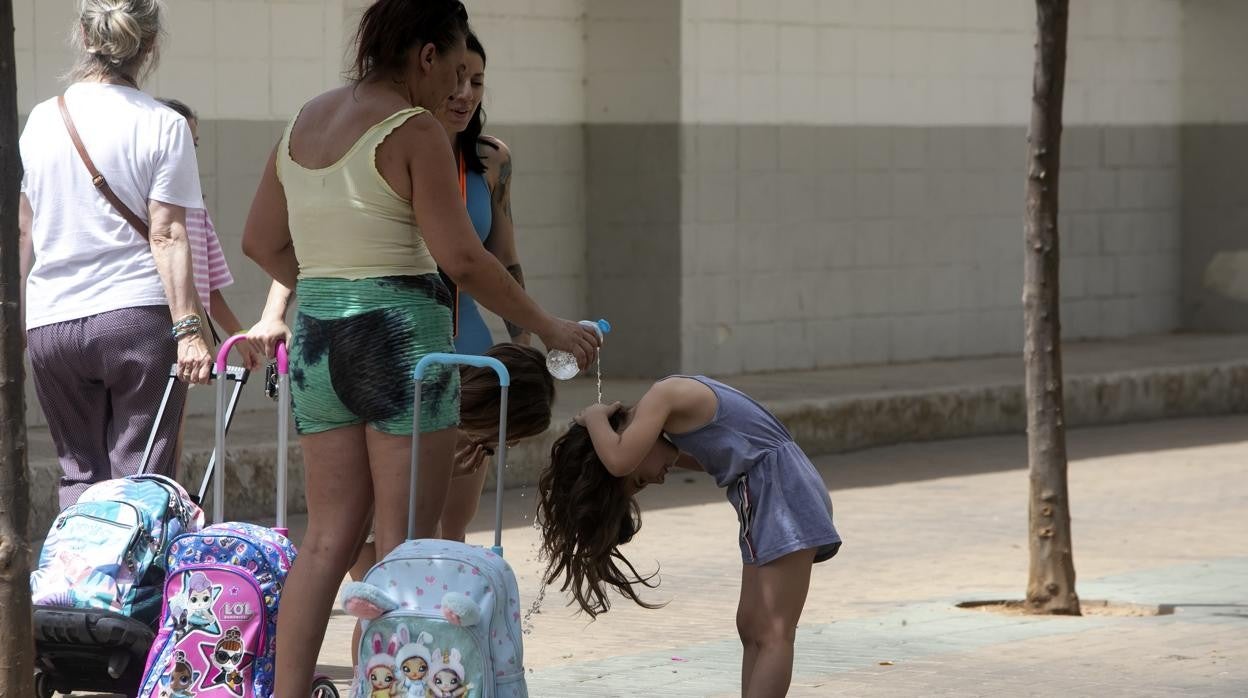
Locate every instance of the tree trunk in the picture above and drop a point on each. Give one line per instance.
(17, 645)
(1051, 580)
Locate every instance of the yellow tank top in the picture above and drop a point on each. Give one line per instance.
(345, 220)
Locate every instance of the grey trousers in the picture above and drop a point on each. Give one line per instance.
(99, 380)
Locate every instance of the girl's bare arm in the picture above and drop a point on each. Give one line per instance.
(622, 452)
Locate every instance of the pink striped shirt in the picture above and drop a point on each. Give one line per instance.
(207, 259)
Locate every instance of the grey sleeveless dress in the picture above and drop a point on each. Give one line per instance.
(782, 503)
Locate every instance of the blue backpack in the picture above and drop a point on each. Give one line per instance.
(107, 551)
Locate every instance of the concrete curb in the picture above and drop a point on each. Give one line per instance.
(821, 426)
(841, 424)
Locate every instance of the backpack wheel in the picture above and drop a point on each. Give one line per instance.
(323, 687)
(43, 685)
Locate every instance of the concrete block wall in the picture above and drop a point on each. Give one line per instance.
(247, 65)
(535, 101)
(855, 175)
(1214, 150)
(751, 185)
(633, 182)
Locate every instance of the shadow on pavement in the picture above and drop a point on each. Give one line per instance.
(914, 462)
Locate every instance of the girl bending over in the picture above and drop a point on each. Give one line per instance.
(587, 507)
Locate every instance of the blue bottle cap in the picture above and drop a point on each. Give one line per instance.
(604, 326)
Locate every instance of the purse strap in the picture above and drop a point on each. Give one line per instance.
(96, 178)
(102, 184)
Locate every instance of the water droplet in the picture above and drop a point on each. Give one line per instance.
(534, 609)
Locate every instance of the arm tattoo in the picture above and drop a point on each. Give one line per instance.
(502, 193)
(518, 274)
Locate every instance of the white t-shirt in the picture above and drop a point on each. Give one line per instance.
(88, 259)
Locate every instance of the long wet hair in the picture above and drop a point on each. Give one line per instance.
(586, 514)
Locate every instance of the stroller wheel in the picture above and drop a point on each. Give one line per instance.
(43, 685)
(323, 687)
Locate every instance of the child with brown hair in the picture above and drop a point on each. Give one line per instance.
(587, 507)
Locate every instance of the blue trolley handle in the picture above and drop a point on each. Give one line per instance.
(504, 381)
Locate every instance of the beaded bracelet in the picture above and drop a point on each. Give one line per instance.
(184, 333)
(186, 327)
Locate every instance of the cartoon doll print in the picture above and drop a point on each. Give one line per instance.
(181, 676)
(229, 657)
(191, 609)
(380, 668)
(446, 676)
(412, 661)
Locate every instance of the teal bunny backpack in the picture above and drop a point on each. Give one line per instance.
(442, 618)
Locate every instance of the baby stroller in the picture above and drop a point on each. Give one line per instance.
(90, 643)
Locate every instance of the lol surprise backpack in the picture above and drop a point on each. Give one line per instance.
(218, 630)
(441, 619)
(219, 624)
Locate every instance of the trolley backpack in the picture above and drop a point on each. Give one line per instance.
(442, 618)
(217, 631)
(107, 551)
(97, 589)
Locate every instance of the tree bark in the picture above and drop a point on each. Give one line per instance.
(1051, 579)
(17, 648)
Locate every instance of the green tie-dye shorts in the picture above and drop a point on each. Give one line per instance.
(354, 346)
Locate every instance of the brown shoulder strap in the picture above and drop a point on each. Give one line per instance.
(96, 178)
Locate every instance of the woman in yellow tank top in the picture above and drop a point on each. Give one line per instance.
(363, 188)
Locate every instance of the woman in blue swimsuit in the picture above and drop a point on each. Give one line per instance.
(485, 176)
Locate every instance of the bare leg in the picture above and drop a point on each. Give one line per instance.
(745, 622)
(339, 497)
(390, 456)
(772, 597)
(461, 504)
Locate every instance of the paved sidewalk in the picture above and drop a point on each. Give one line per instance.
(1160, 511)
(1159, 515)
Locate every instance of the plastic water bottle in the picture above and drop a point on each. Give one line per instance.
(561, 364)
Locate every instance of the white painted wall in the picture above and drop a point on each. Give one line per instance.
(922, 62)
(1215, 52)
(633, 62)
(230, 59)
(537, 55)
(259, 59)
